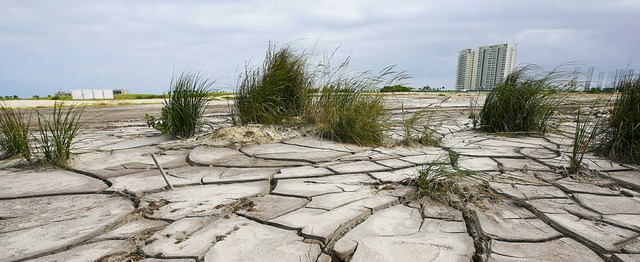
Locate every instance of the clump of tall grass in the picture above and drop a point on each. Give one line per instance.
(275, 93)
(14, 133)
(623, 140)
(57, 132)
(523, 102)
(348, 114)
(183, 109)
(348, 109)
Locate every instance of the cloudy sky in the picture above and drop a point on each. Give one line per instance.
(49, 46)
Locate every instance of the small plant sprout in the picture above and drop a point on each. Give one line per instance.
(410, 124)
(474, 111)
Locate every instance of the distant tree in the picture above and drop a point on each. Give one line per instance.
(396, 88)
(426, 88)
(15, 97)
(36, 97)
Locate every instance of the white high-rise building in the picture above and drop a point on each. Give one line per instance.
(483, 67)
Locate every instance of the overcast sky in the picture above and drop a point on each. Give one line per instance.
(49, 46)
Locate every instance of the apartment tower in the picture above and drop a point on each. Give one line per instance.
(483, 67)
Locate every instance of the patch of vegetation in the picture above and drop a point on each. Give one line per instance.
(57, 97)
(138, 96)
(344, 105)
(426, 136)
(351, 117)
(585, 133)
(623, 138)
(14, 133)
(56, 133)
(396, 88)
(474, 111)
(446, 184)
(348, 109)
(523, 102)
(184, 107)
(275, 93)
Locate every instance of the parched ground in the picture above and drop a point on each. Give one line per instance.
(295, 197)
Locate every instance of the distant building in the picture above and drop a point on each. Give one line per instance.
(120, 91)
(60, 93)
(92, 93)
(483, 67)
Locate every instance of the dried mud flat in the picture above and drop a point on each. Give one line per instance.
(295, 197)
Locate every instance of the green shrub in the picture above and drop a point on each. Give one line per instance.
(623, 140)
(14, 132)
(183, 109)
(396, 88)
(275, 93)
(521, 103)
(57, 132)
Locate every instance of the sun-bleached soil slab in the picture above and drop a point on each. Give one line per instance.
(227, 157)
(44, 182)
(56, 222)
(563, 249)
(252, 241)
(201, 200)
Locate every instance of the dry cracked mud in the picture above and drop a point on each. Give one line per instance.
(300, 198)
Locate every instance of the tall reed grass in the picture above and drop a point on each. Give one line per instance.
(14, 133)
(523, 102)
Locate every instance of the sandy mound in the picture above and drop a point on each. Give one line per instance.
(237, 136)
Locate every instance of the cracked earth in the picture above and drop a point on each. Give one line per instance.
(307, 199)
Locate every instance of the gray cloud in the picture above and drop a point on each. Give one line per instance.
(46, 46)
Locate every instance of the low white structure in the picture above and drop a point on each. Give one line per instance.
(92, 93)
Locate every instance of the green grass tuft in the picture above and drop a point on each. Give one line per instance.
(521, 103)
(183, 109)
(585, 133)
(275, 93)
(446, 184)
(623, 140)
(57, 132)
(14, 133)
(351, 116)
(348, 109)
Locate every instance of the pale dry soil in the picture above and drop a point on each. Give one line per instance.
(260, 193)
